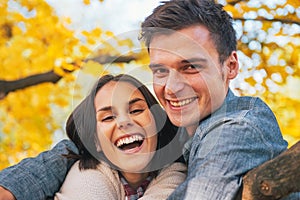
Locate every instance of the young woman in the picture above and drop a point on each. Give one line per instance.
(126, 144)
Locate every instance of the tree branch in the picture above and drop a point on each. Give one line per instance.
(50, 76)
(10, 86)
(276, 178)
(112, 59)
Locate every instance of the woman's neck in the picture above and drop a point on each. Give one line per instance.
(135, 179)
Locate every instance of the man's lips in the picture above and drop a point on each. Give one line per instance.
(183, 102)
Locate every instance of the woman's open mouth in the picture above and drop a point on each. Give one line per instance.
(130, 143)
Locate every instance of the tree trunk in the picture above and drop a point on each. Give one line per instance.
(276, 178)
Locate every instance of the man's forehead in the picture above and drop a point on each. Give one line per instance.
(176, 45)
(171, 40)
(194, 37)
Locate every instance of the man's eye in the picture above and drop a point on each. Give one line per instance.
(107, 118)
(159, 71)
(192, 68)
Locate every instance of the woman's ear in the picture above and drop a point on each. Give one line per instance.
(232, 65)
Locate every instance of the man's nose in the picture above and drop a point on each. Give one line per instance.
(174, 83)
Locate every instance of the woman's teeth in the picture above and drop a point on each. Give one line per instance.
(129, 140)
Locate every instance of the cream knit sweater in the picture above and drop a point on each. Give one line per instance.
(104, 183)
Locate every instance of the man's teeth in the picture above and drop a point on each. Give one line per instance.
(181, 103)
(128, 140)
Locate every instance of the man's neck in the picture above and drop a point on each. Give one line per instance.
(191, 130)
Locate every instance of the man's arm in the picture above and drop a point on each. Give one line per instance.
(39, 177)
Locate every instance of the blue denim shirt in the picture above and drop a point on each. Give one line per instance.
(241, 135)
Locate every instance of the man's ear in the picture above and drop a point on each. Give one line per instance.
(232, 65)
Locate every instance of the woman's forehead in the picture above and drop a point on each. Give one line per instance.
(117, 92)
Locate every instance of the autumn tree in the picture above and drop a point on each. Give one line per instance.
(40, 58)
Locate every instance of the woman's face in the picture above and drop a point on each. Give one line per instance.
(125, 126)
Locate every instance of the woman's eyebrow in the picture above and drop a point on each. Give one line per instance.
(106, 108)
(132, 101)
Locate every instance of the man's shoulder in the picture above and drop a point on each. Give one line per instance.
(243, 102)
(244, 107)
(240, 110)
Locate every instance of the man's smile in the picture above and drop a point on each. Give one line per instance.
(182, 102)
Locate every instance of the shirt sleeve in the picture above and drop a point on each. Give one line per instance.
(40, 177)
(220, 157)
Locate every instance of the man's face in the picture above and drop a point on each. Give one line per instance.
(189, 80)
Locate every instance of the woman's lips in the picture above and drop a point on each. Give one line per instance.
(130, 143)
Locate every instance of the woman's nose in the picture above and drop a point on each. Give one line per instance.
(124, 122)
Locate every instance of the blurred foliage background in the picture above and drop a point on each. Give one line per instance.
(47, 65)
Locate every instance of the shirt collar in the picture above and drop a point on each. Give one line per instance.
(229, 96)
(131, 193)
(186, 150)
(188, 145)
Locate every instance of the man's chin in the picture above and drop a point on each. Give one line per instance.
(186, 123)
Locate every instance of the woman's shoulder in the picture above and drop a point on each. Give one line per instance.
(89, 183)
(166, 182)
(103, 171)
(174, 173)
(176, 167)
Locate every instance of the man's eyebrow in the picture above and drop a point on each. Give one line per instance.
(155, 65)
(191, 60)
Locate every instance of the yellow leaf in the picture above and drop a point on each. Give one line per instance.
(109, 33)
(84, 50)
(251, 81)
(92, 68)
(96, 32)
(294, 3)
(126, 42)
(86, 2)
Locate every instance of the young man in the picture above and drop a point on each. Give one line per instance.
(192, 48)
